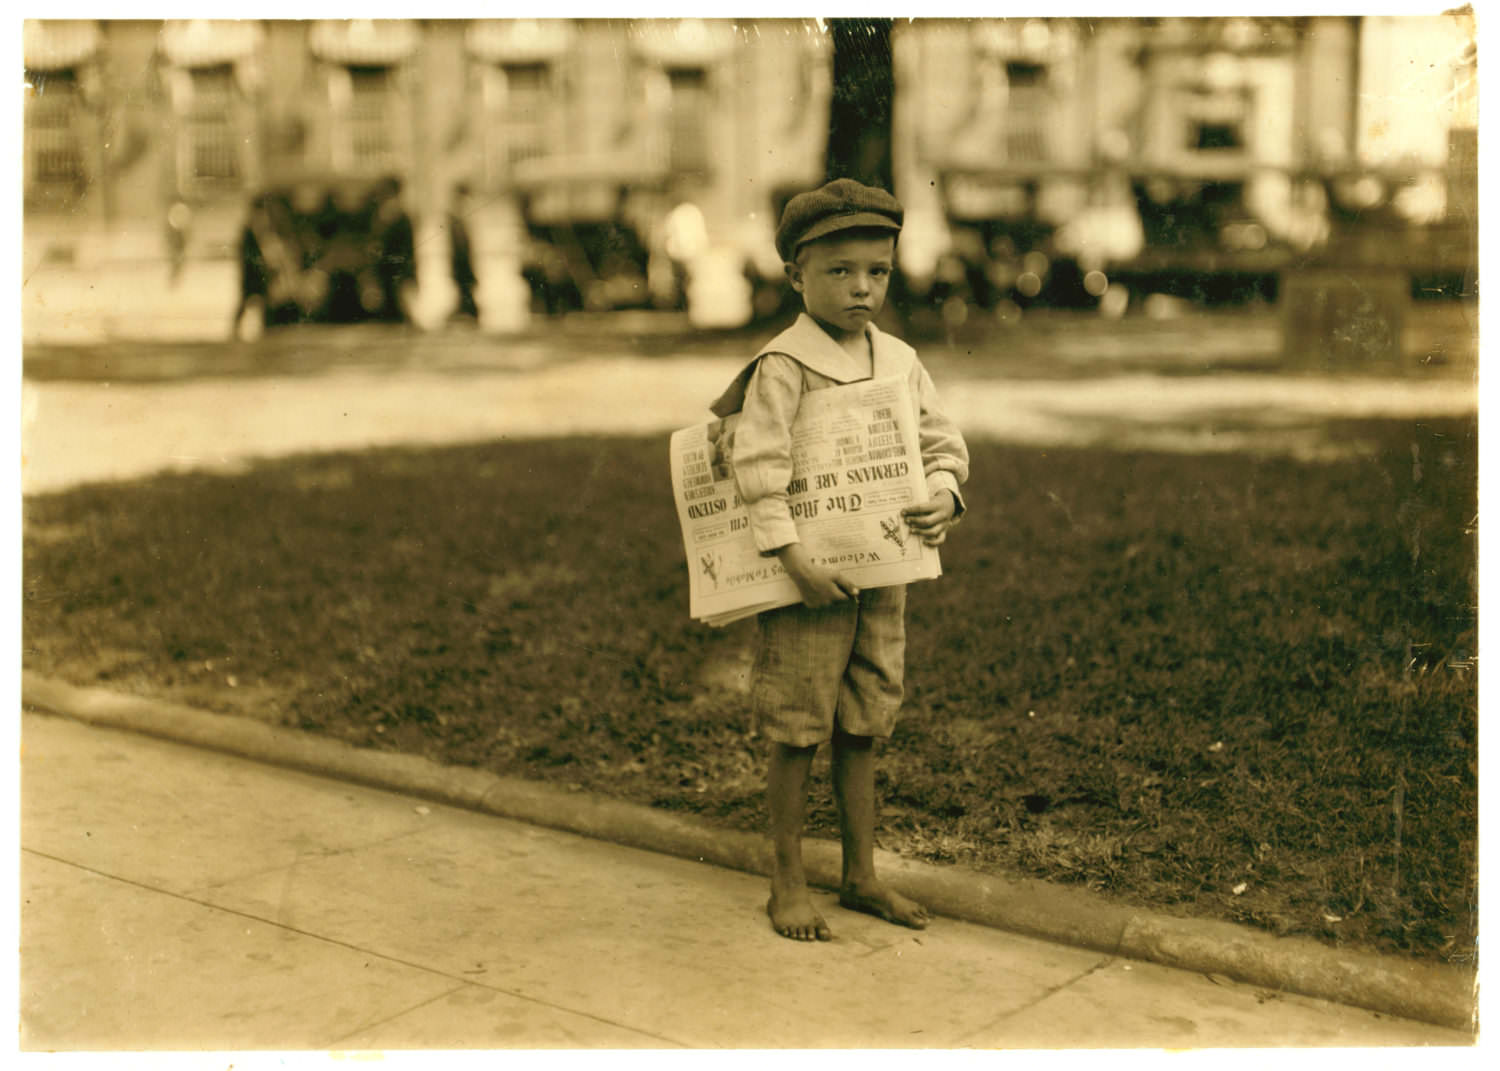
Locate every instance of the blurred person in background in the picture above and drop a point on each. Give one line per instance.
(462, 252)
(393, 236)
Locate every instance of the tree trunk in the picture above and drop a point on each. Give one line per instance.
(859, 122)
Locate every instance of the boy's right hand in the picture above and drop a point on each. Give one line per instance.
(818, 586)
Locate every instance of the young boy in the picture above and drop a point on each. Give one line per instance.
(831, 668)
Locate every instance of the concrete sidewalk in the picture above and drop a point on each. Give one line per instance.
(174, 897)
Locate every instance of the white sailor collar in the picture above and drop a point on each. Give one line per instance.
(813, 348)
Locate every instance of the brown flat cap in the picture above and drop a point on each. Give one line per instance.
(841, 205)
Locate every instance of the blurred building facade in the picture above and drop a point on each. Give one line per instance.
(614, 163)
(1091, 162)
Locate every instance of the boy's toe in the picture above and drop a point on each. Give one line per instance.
(807, 926)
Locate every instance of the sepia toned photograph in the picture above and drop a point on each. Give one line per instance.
(581, 534)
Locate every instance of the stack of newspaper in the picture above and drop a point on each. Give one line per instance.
(856, 464)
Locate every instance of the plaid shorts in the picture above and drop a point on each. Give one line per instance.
(843, 663)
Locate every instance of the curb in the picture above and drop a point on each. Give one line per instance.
(1430, 993)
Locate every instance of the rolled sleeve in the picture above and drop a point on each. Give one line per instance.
(946, 481)
(762, 454)
(945, 455)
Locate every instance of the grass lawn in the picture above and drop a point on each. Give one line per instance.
(1229, 686)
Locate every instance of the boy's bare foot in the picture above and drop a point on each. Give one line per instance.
(793, 916)
(884, 902)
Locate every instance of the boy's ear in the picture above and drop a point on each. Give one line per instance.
(794, 275)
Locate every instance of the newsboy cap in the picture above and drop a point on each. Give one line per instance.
(841, 205)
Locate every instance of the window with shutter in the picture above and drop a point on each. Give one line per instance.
(688, 124)
(210, 156)
(56, 173)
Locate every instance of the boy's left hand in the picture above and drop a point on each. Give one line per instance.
(931, 519)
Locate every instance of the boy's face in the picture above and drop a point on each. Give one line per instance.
(843, 280)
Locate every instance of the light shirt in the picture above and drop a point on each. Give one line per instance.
(768, 391)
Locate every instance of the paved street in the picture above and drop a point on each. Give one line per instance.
(82, 429)
(179, 898)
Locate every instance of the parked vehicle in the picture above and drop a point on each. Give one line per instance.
(327, 249)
